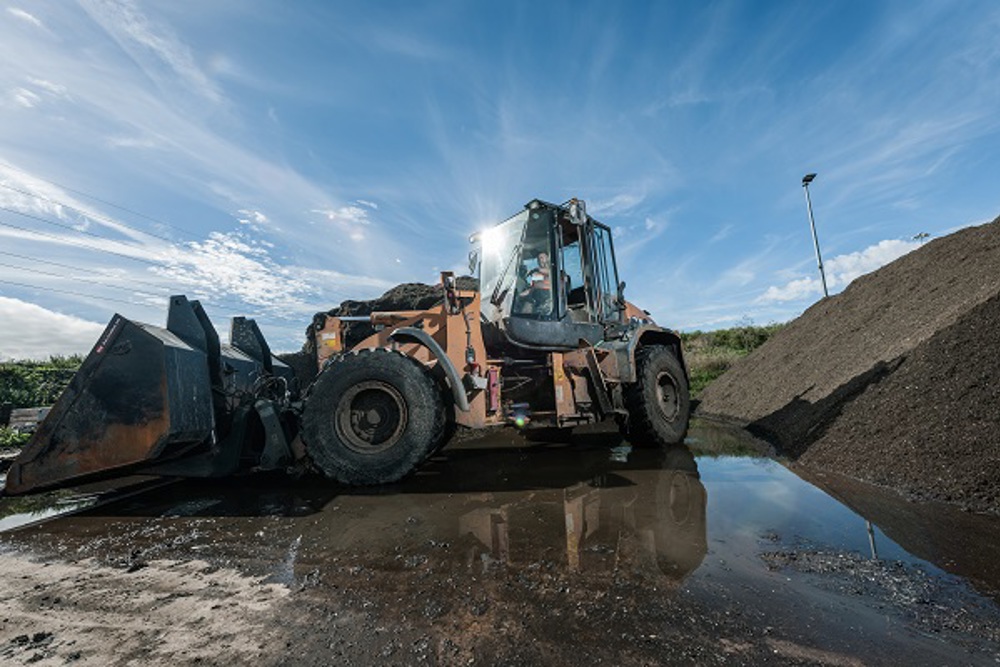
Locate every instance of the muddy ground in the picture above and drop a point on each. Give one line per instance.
(500, 552)
(895, 381)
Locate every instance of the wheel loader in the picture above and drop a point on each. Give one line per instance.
(547, 341)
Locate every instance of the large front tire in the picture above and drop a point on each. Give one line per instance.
(658, 403)
(372, 417)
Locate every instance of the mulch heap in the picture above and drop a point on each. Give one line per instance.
(895, 381)
(407, 296)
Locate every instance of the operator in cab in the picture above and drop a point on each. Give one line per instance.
(538, 294)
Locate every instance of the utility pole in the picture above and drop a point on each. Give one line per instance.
(806, 180)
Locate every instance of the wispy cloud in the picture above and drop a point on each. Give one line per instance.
(150, 44)
(19, 13)
(25, 98)
(348, 221)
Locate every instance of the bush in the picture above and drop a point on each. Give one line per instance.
(11, 439)
(29, 384)
(710, 354)
(706, 365)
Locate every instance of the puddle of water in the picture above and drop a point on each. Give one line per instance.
(23, 511)
(757, 500)
(19, 519)
(526, 503)
(566, 504)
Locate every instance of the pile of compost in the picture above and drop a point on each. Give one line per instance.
(408, 296)
(895, 381)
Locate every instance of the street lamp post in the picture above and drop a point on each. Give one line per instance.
(806, 180)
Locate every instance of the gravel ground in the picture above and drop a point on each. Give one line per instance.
(895, 381)
(502, 552)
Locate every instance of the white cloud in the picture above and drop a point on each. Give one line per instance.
(350, 219)
(133, 142)
(254, 219)
(619, 204)
(33, 91)
(25, 98)
(846, 268)
(48, 86)
(792, 290)
(722, 234)
(840, 271)
(24, 16)
(232, 265)
(41, 332)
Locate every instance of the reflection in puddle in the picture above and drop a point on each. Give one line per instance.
(19, 519)
(652, 520)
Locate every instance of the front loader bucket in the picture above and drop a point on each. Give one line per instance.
(143, 395)
(172, 401)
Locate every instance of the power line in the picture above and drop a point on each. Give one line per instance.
(102, 201)
(86, 280)
(62, 239)
(87, 214)
(70, 292)
(110, 221)
(101, 298)
(71, 267)
(168, 290)
(155, 263)
(86, 246)
(66, 226)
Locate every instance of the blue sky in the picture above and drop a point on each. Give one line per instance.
(275, 158)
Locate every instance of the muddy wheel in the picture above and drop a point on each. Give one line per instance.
(372, 418)
(658, 402)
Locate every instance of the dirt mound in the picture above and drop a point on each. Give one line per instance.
(407, 296)
(894, 381)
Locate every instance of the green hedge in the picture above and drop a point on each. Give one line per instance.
(29, 384)
(709, 354)
(11, 439)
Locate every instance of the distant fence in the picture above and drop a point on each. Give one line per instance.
(24, 420)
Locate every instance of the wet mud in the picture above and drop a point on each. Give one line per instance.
(503, 551)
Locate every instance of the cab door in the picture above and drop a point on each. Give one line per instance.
(604, 275)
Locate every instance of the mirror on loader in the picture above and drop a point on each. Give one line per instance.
(548, 276)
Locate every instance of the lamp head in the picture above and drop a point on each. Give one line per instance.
(807, 179)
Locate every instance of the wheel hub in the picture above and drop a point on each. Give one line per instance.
(667, 396)
(371, 417)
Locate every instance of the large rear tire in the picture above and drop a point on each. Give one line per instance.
(372, 417)
(658, 403)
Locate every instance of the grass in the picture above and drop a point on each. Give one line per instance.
(710, 354)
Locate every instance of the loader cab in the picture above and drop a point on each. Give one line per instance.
(548, 277)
